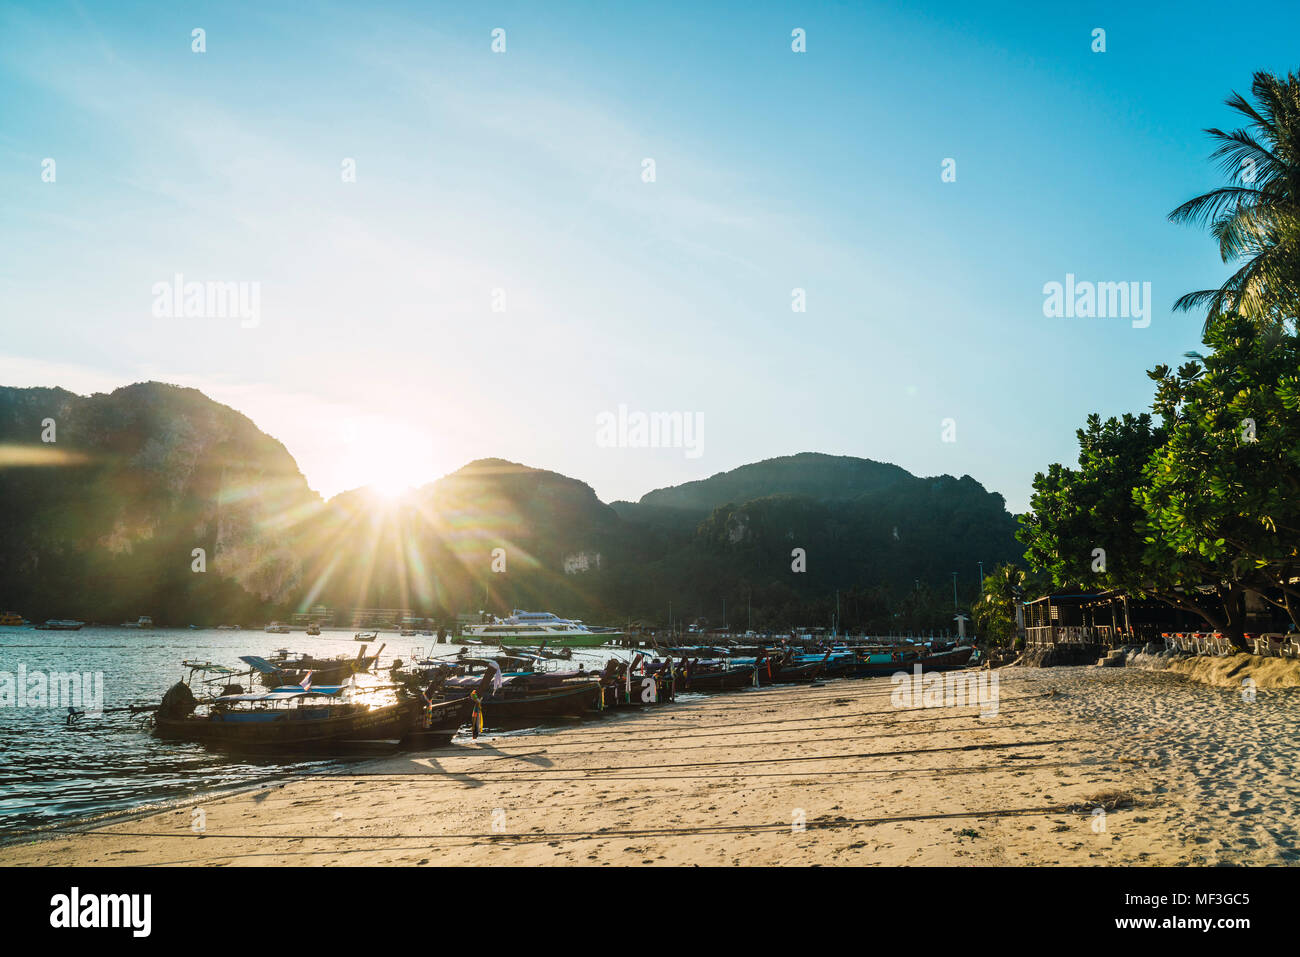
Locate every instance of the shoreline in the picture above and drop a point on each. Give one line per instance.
(784, 775)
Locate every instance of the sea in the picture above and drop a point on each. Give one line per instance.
(53, 773)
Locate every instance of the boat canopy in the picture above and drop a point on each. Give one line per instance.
(329, 690)
(280, 694)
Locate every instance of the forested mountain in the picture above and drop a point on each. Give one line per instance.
(102, 522)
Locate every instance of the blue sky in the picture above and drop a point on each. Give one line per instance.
(377, 356)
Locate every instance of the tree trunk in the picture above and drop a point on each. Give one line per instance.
(1234, 606)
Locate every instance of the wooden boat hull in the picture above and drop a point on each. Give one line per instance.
(720, 680)
(615, 694)
(293, 730)
(506, 708)
(793, 674)
(439, 723)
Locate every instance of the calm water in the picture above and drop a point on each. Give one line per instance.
(50, 774)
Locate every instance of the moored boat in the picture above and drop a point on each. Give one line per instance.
(887, 663)
(519, 695)
(284, 668)
(289, 720)
(790, 668)
(531, 628)
(60, 624)
(639, 682)
(717, 675)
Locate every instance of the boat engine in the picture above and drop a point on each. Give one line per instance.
(178, 702)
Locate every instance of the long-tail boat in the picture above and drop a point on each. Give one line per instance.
(285, 669)
(790, 668)
(301, 720)
(887, 663)
(717, 674)
(511, 696)
(635, 683)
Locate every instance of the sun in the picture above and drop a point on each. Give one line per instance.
(392, 487)
(389, 459)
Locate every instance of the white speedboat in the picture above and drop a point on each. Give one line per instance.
(144, 621)
(535, 627)
(276, 628)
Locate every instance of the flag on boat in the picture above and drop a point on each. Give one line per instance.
(497, 679)
(306, 682)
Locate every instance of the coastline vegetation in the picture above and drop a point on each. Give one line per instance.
(1197, 503)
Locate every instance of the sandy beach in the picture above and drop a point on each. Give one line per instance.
(1079, 766)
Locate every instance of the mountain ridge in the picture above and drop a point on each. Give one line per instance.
(163, 470)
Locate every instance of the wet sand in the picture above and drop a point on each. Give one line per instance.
(1079, 766)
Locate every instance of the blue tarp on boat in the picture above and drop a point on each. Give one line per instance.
(259, 664)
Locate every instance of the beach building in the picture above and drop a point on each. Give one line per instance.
(1095, 621)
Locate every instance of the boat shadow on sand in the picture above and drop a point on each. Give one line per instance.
(483, 753)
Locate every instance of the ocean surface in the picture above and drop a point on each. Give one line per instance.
(51, 774)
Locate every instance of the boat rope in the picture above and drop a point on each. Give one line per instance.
(584, 749)
(988, 746)
(598, 835)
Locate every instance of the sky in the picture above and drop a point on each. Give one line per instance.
(500, 275)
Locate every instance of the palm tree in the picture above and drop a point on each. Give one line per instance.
(1257, 217)
(994, 611)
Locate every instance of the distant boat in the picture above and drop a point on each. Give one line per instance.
(61, 624)
(313, 629)
(276, 628)
(144, 621)
(531, 628)
(10, 620)
(227, 628)
(365, 636)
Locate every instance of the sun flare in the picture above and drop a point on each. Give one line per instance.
(390, 459)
